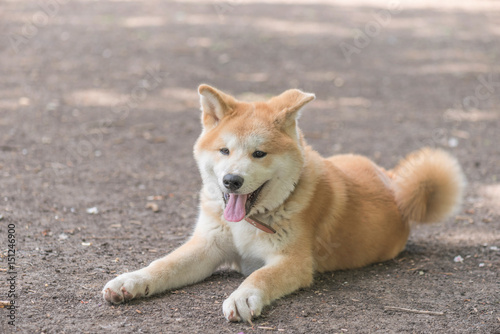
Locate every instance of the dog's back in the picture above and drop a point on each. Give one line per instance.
(372, 221)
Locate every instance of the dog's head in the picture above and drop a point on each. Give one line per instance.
(250, 155)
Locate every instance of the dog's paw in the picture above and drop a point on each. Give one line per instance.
(244, 304)
(126, 287)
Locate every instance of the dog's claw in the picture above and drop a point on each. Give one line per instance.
(112, 297)
(126, 295)
(243, 305)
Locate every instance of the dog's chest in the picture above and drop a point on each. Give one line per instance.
(254, 246)
(250, 240)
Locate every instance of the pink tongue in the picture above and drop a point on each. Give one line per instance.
(235, 208)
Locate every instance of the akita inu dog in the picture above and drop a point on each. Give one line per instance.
(278, 212)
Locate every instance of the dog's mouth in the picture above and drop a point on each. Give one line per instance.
(238, 206)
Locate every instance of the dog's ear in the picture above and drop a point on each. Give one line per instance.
(214, 105)
(288, 106)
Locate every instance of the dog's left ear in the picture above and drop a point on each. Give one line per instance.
(214, 104)
(288, 106)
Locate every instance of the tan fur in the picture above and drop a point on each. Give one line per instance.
(429, 185)
(329, 213)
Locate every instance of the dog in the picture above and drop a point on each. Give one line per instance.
(277, 211)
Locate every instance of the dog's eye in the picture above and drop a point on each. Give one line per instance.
(259, 154)
(224, 151)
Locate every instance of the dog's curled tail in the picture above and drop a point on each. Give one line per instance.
(429, 185)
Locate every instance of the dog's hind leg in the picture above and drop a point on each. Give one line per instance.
(190, 263)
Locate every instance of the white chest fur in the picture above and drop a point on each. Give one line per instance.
(255, 247)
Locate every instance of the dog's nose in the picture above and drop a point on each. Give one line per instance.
(232, 182)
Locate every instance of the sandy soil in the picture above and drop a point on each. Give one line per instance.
(98, 108)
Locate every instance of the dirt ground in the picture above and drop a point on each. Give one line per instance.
(99, 112)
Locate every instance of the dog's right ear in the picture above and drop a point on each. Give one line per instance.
(214, 105)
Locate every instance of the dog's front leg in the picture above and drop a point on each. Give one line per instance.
(192, 262)
(279, 277)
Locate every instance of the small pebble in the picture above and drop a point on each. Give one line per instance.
(153, 206)
(453, 142)
(92, 211)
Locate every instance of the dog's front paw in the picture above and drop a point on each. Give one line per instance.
(127, 286)
(244, 304)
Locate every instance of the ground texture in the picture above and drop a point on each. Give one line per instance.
(99, 111)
